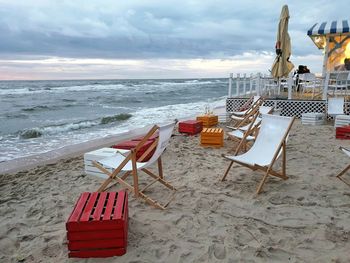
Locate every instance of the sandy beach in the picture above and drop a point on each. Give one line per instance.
(303, 219)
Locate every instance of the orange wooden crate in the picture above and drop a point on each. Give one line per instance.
(208, 120)
(212, 137)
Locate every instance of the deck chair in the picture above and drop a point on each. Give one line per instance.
(128, 164)
(268, 146)
(335, 106)
(239, 121)
(254, 100)
(308, 81)
(247, 134)
(341, 83)
(262, 110)
(339, 176)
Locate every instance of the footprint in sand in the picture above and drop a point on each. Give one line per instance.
(264, 231)
(218, 250)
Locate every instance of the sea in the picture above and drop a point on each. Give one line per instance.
(40, 116)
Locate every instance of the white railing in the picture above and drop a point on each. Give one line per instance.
(257, 84)
(264, 85)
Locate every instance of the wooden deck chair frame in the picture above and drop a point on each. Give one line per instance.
(251, 131)
(268, 170)
(246, 106)
(113, 176)
(339, 176)
(252, 106)
(247, 118)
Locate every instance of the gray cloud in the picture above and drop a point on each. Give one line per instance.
(155, 29)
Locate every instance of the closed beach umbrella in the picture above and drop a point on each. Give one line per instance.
(282, 66)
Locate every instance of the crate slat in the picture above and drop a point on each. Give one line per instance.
(100, 206)
(119, 206)
(100, 253)
(74, 217)
(93, 244)
(95, 235)
(85, 216)
(109, 206)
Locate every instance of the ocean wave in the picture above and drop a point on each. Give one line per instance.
(46, 108)
(31, 133)
(75, 88)
(95, 86)
(48, 130)
(118, 117)
(35, 108)
(16, 115)
(67, 127)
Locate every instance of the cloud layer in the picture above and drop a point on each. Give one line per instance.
(151, 30)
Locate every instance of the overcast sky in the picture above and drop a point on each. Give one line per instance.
(59, 39)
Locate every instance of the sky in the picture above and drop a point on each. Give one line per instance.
(109, 39)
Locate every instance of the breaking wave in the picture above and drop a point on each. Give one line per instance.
(67, 127)
(118, 117)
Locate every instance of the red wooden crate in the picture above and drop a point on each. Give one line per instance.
(127, 145)
(98, 225)
(342, 132)
(191, 127)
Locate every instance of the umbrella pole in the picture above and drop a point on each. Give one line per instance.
(279, 86)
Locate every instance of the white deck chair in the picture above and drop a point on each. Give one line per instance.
(244, 112)
(262, 110)
(129, 165)
(347, 152)
(269, 145)
(244, 137)
(308, 81)
(335, 106)
(341, 83)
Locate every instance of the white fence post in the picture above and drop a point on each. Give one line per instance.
(325, 86)
(257, 87)
(244, 84)
(251, 84)
(230, 85)
(237, 83)
(290, 85)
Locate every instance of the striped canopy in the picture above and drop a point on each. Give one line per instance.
(326, 28)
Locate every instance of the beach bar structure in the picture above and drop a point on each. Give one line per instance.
(334, 39)
(242, 87)
(331, 37)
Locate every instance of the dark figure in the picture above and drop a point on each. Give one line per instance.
(301, 70)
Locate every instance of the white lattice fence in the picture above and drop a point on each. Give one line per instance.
(289, 107)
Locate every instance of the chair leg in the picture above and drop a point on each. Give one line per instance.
(284, 159)
(160, 167)
(135, 176)
(228, 169)
(258, 191)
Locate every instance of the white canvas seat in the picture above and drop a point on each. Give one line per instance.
(130, 165)
(239, 121)
(262, 110)
(339, 176)
(268, 146)
(335, 106)
(240, 134)
(244, 112)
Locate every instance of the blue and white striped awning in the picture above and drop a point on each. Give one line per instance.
(325, 28)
